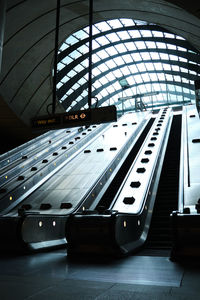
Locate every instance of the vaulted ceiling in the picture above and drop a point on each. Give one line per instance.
(28, 51)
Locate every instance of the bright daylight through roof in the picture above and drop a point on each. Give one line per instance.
(148, 57)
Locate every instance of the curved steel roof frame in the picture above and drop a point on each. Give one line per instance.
(148, 56)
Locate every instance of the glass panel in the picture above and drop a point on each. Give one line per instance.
(78, 68)
(60, 66)
(67, 60)
(127, 22)
(123, 35)
(102, 40)
(63, 47)
(71, 40)
(119, 61)
(140, 45)
(103, 67)
(81, 35)
(157, 33)
(111, 50)
(145, 56)
(164, 56)
(127, 58)
(154, 55)
(103, 26)
(161, 45)
(136, 57)
(151, 45)
(141, 67)
(130, 46)
(75, 54)
(125, 70)
(149, 66)
(121, 48)
(103, 54)
(95, 45)
(115, 23)
(146, 33)
(83, 49)
(111, 64)
(113, 37)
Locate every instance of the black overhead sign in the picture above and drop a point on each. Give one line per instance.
(76, 118)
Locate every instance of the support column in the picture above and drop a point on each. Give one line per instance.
(2, 26)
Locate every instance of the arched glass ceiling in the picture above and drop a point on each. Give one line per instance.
(148, 56)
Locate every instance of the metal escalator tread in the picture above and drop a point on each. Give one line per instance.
(159, 236)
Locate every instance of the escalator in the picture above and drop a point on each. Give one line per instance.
(159, 236)
(118, 221)
(33, 216)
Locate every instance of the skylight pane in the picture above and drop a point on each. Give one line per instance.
(63, 47)
(123, 35)
(140, 45)
(146, 33)
(78, 68)
(75, 54)
(103, 68)
(71, 40)
(103, 26)
(121, 48)
(95, 45)
(130, 46)
(136, 57)
(173, 57)
(172, 47)
(113, 37)
(115, 23)
(67, 60)
(83, 49)
(161, 45)
(117, 73)
(111, 64)
(141, 67)
(125, 70)
(81, 35)
(127, 58)
(154, 55)
(119, 61)
(111, 50)
(102, 40)
(149, 66)
(158, 66)
(138, 78)
(169, 35)
(127, 22)
(95, 58)
(157, 33)
(167, 67)
(103, 54)
(60, 66)
(151, 45)
(96, 72)
(164, 56)
(145, 56)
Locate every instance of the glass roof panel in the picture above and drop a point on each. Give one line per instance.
(149, 61)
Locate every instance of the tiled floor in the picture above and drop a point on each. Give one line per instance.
(53, 276)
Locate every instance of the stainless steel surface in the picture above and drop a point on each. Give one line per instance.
(73, 181)
(130, 198)
(19, 190)
(191, 158)
(34, 154)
